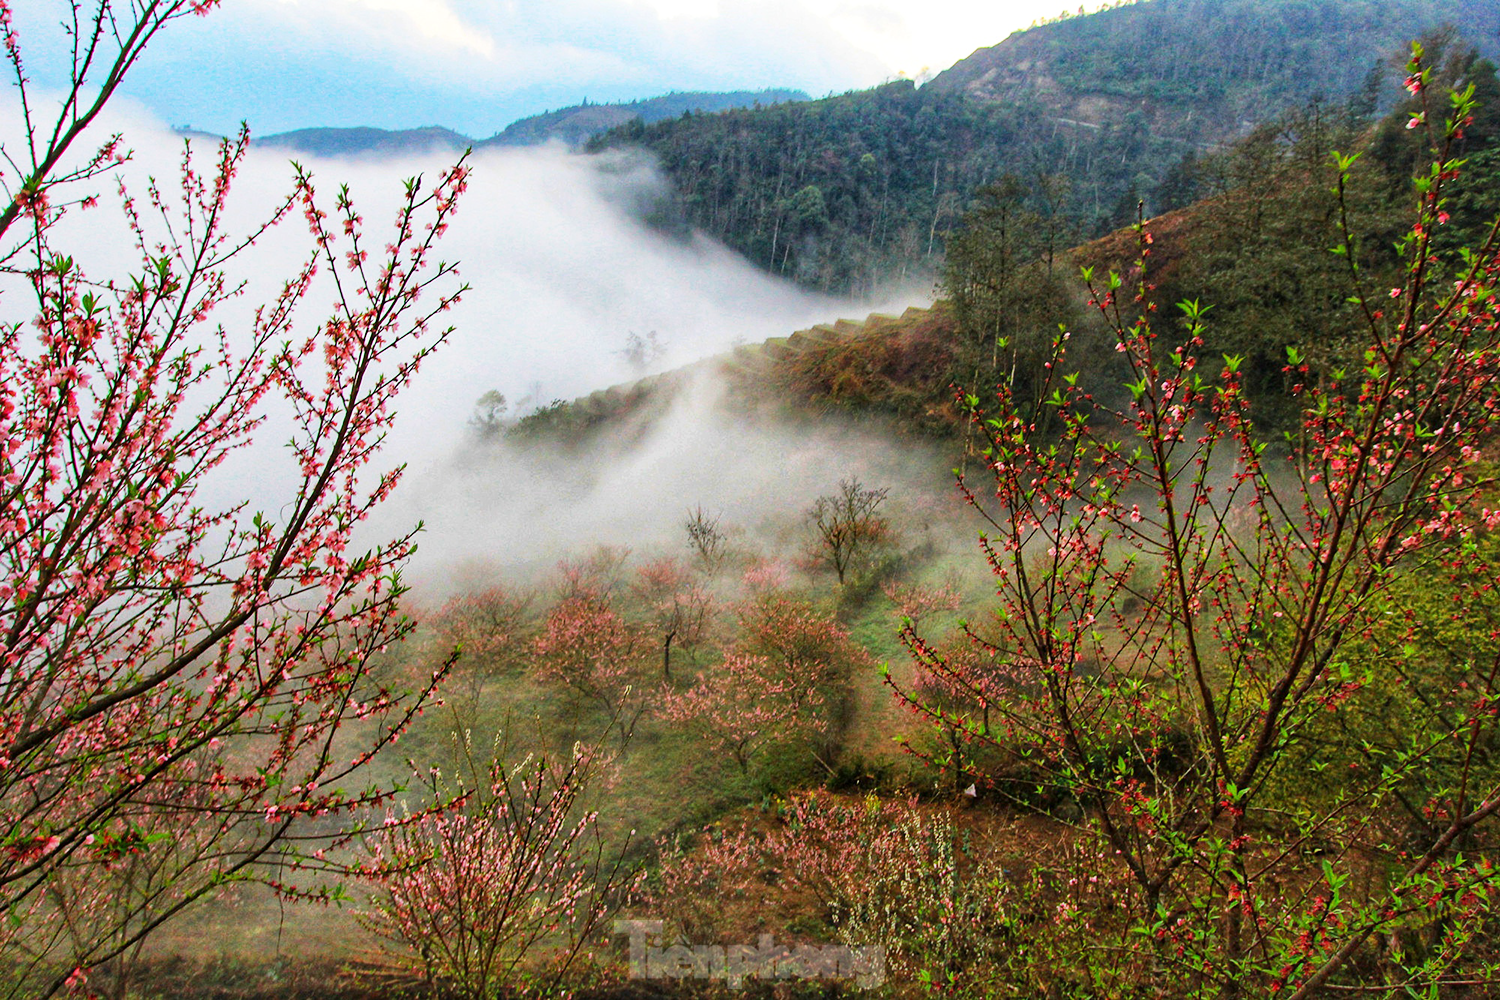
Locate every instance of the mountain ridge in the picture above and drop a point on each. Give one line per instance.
(573, 125)
(364, 140)
(1149, 56)
(577, 124)
(1088, 116)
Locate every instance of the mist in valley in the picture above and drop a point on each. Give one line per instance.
(572, 290)
(518, 508)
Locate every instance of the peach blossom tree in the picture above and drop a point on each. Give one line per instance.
(170, 664)
(506, 876)
(1180, 610)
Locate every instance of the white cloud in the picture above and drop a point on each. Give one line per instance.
(901, 33)
(910, 36)
(477, 65)
(433, 20)
(686, 8)
(523, 508)
(562, 271)
(474, 65)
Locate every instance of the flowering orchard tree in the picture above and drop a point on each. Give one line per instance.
(490, 629)
(591, 649)
(169, 666)
(470, 892)
(488, 625)
(678, 608)
(746, 703)
(919, 603)
(810, 651)
(847, 526)
(802, 641)
(915, 606)
(879, 873)
(1252, 577)
(709, 542)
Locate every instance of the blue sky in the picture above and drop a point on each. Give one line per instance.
(476, 65)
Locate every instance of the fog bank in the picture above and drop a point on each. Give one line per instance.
(516, 509)
(564, 273)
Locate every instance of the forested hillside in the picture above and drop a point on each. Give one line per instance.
(840, 192)
(1251, 239)
(1091, 115)
(1205, 70)
(577, 124)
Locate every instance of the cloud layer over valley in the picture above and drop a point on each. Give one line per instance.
(563, 270)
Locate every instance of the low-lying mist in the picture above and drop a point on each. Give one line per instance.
(516, 509)
(571, 291)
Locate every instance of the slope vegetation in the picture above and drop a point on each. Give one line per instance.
(1091, 114)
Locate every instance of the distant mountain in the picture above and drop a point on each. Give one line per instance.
(577, 124)
(366, 141)
(1090, 114)
(197, 135)
(574, 126)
